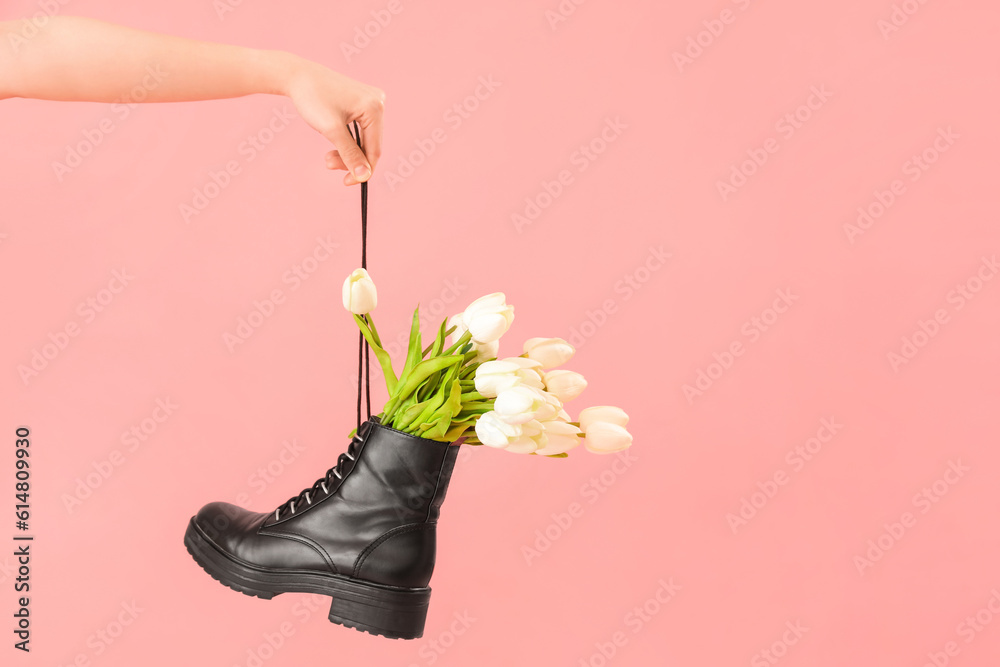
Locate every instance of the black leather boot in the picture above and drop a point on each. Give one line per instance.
(364, 534)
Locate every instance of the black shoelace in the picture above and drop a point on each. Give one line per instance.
(322, 485)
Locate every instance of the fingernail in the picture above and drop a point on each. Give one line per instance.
(361, 172)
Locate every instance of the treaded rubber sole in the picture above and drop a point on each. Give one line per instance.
(387, 611)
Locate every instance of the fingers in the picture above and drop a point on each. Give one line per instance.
(371, 138)
(358, 169)
(333, 161)
(371, 132)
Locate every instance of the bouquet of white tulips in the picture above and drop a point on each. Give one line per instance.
(457, 387)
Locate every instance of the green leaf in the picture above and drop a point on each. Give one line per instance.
(398, 421)
(413, 350)
(371, 325)
(422, 371)
(408, 412)
(380, 354)
(466, 337)
(430, 407)
(437, 429)
(438, 344)
(456, 430)
(447, 398)
(467, 412)
(429, 386)
(453, 403)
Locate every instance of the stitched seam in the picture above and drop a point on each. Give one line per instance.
(305, 541)
(410, 435)
(370, 549)
(437, 485)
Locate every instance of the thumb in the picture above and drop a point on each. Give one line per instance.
(350, 153)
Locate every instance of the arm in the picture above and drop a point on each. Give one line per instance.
(80, 59)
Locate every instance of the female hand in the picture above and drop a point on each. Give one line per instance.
(330, 102)
(82, 59)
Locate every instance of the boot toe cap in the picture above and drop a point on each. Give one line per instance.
(226, 524)
(236, 532)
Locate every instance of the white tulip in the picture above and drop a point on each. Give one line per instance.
(602, 413)
(606, 438)
(519, 404)
(551, 352)
(515, 438)
(532, 438)
(562, 437)
(550, 411)
(488, 317)
(521, 446)
(454, 321)
(485, 351)
(567, 385)
(359, 292)
(494, 432)
(492, 376)
(529, 370)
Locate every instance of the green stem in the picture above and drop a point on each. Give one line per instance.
(380, 354)
(466, 337)
(371, 324)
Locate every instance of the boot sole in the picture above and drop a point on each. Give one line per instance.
(387, 611)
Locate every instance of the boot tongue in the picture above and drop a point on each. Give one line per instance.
(366, 425)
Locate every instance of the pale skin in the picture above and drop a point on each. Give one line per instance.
(81, 59)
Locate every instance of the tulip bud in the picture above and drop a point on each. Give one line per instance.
(552, 408)
(485, 351)
(550, 352)
(519, 404)
(606, 438)
(602, 413)
(359, 292)
(493, 376)
(494, 432)
(460, 328)
(532, 438)
(488, 317)
(566, 385)
(529, 370)
(562, 437)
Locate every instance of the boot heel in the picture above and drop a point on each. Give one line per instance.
(397, 614)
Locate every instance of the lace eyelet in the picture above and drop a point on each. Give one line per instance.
(337, 474)
(276, 514)
(325, 490)
(308, 500)
(349, 455)
(293, 507)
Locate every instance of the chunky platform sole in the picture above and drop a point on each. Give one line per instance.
(397, 613)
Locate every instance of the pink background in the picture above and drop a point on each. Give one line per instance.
(446, 229)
